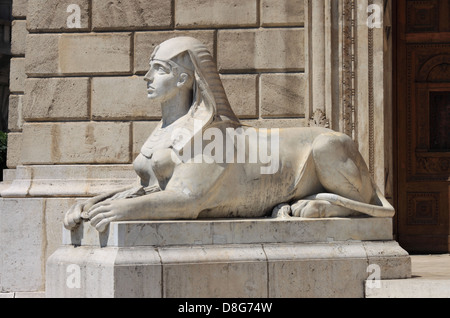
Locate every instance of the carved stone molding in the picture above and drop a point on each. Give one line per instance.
(348, 66)
(319, 119)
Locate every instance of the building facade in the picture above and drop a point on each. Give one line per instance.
(78, 112)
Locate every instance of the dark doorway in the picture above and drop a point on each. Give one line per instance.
(422, 124)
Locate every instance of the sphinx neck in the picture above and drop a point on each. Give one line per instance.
(176, 107)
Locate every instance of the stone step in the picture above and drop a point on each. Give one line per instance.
(410, 288)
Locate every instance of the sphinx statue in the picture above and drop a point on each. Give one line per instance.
(191, 166)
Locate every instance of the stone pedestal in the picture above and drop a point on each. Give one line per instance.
(226, 258)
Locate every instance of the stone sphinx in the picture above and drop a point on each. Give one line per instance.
(313, 172)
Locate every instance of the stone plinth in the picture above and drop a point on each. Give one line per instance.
(226, 258)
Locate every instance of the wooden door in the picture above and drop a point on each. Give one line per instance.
(422, 88)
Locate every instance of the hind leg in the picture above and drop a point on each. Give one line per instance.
(341, 170)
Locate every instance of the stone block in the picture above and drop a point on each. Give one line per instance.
(141, 132)
(19, 8)
(214, 14)
(18, 37)
(262, 49)
(282, 95)
(342, 269)
(69, 180)
(17, 75)
(123, 98)
(15, 119)
(22, 241)
(282, 12)
(78, 54)
(58, 15)
(14, 150)
(231, 231)
(214, 272)
(242, 94)
(104, 273)
(145, 43)
(76, 143)
(131, 14)
(234, 258)
(56, 99)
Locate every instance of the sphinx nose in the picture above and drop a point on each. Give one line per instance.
(148, 77)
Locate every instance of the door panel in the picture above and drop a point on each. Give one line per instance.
(423, 124)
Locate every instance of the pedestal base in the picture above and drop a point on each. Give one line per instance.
(231, 258)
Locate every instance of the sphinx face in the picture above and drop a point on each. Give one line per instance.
(162, 82)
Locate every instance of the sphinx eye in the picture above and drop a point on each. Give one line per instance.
(162, 69)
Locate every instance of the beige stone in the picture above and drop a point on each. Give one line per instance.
(22, 241)
(122, 98)
(242, 94)
(280, 123)
(67, 143)
(17, 75)
(141, 132)
(15, 118)
(42, 54)
(282, 12)
(14, 150)
(66, 181)
(56, 99)
(145, 43)
(53, 15)
(19, 8)
(262, 49)
(78, 54)
(131, 14)
(18, 37)
(282, 95)
(210, 13)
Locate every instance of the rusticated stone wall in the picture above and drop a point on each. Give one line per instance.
(75, 90)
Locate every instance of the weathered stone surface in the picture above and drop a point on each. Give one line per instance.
(145, 43)
(277, 123)
(269, 258)
(53, 15)
(131, 14)
(78, 54)
(42, 54)
(282, 12)
(122, 98)
(242, 94)
(69, 143)
(141, 132)
(22, 241)
(263, 49)
(232, 231)
(210, 13)
(18, 37)
(68, 180)
(282, 95)
(56, 98)
(15, 118)
(14, 150)
(19, 8)
(17, 75)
